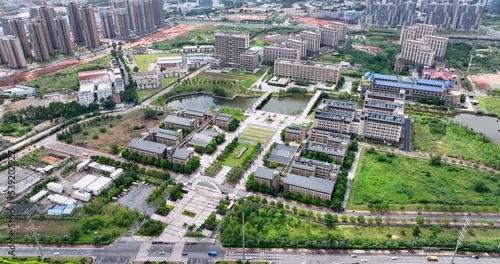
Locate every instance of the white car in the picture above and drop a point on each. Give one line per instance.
(364, 260)
(394, 258)
(57, 253)
(354, 256)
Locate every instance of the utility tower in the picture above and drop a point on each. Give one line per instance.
(243, 235)
(460, 237)
(34, 233)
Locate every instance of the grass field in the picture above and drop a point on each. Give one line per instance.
(68, 78)
(490, 105)
(256, 134)
(143, 60)
(457, 141)
(246, 79)
(52, 259)
(415, 183)
(144, 94)
(232, 161)
(168, 81)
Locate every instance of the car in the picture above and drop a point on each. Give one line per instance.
(57, 253)
(354, 256)
(161, 253)
(475, 256)
(394, 258)
(364, 260)
(85, 154)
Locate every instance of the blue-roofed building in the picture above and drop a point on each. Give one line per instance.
(69, 209)
(413, 88)
(57, 210)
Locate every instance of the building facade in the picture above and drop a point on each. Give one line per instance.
(12, 52)
(147, 80)
(229, 45)
(417, 52)
(271, 54)
(107, 24)
(313, 40)
(19, 31)
(312, 71)
(38, 40)
(90, 33)
(63, 36)
(249, 60)
(73, 10)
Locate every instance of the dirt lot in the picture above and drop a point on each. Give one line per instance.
(487, 81)
(239, 17)
(310, 21)
(121, 133)
(50, 159)
(18, 78)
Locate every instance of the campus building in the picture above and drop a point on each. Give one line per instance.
(222, 120)
(336, 153)
(313, 168)
(295, 44)
(420, 46)
(282, 155)
(312, 186)
(294, 133)
(249, 60)
(271, 54)
(147, 148)
(413, 88)
(148, 80)
(229, 45)
(98, 84)
(268, 177)
(171, 138)
(332, 139)
(381, 127)
(313, 40)
(176, 122)
(417, 31)
(312, 71)
(333, 33)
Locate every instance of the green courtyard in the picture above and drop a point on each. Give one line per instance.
(403, 183)
(231, 159)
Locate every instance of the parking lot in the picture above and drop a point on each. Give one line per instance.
(136, 199)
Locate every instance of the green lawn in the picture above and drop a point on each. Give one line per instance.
(143, 60)
(416, 184)
(457, 141)
(144, 94)
(256, 134)
(169, 80)
(490, 105)
(232, 161)
(67, 78)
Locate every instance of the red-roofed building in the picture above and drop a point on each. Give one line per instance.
(93, 76)
(442, 75)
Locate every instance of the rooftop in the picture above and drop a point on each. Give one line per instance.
(282, 154)
(333, 116)
(194, 112)
(145, 75)
(224, 117)
(178, 120)
(208, 132)
(311, 183)
(384, 117)
(385, 94)
(171, 59)
(409, 86)
(324, 148)
(280, 49)
(339, 104)
(265, 173)
(381, 104)
(93, 75)
(232, 33)
(181, 153)
(308, 63)
(148, 146)
(294, 129)
(378, 76)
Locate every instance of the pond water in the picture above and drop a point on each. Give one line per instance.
(204, 102)
(489, 126)
(287, 105)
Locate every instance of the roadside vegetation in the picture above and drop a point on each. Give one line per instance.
(437, 136)
(385, 181)
(151, 228)
(46, 260)
(490, 105)
(485, 56)
(269, 224)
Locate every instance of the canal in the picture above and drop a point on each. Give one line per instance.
(489, 126)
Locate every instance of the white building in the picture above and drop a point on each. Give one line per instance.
(19, 90)
(103, 91)
(101, 167)
(98, 185)
(55, 187)
(82, 165)
(86, 93)
(82, 196)
(62, 200)
(84, 182)
(98, 84)
(117, 173)
(37, 197)
(147, 80)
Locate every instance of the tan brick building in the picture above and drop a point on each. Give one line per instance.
(312, 71)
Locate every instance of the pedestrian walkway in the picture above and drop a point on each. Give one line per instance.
(310, 105)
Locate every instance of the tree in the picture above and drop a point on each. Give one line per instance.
(361, 219)
(329, 219)
(420, 220)
(462, 98)
(370, 220)
(435, 161)
(481, 187)
(416, 231)
(344, 218)
(352, 219)
(198, 149)
(310, 213)
(136, 69)
(378, 219)
(387, 220)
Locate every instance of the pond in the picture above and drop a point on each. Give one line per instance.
(204, 102)
(489, 126)
(293, 105)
